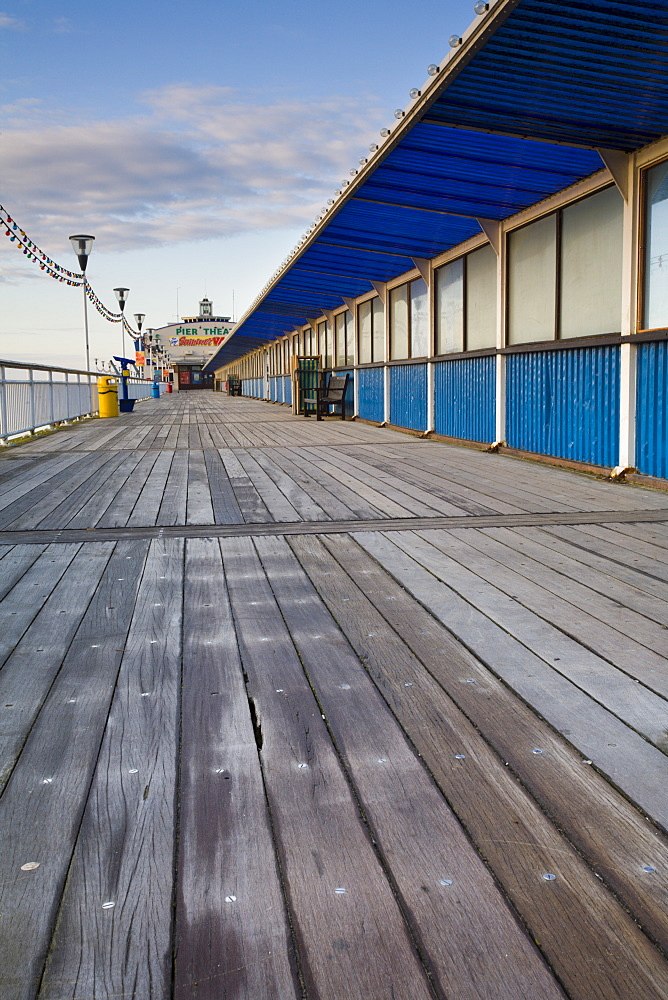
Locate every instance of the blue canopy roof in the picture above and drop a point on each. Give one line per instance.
(515, 114)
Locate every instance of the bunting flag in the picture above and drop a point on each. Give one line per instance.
(49, 266)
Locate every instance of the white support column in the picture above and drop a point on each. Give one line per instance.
(500, 390)
(494, 231)
(431, 398)
(629, 189)
(385, 297)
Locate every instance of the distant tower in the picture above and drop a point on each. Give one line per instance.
(205, 309)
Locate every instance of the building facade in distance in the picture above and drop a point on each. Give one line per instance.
(191, 343)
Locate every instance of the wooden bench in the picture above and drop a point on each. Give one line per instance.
(333, 394)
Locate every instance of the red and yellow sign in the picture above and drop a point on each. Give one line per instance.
(140, 358)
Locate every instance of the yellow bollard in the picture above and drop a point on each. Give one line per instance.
(107, 394)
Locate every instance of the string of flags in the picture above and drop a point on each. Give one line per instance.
(34, 253)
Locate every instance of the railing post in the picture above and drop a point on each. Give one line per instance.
(4, 423)
(52, 408)
(31, 381)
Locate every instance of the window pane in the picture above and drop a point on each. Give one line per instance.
(364, 332)
(350, 337)
(399, 322)
(481, 299)
(328, 345)
(591, 265)
(450, 307)
(378, 322)
(340, 328)
(656, 248)
(532, 286)
(419, 319)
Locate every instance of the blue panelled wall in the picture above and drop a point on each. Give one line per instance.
(565, 403)
(371, 390)
(408, 396)
(652, 409)
(464, 398)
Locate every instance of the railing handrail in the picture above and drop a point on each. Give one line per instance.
(29, 366)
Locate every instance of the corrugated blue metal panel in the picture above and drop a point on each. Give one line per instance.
(465, 403)
(652, 409)
(287, 390)
(272, 388)
(565, 403)
(408, 396)
(371, 399)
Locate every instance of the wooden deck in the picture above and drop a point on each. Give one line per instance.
(319, 710)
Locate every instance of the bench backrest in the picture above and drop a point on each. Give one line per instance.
(336, 386)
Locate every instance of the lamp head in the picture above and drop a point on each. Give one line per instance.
(82, 246)
(122, 296)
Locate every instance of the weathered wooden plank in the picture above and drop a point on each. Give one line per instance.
(307, 508)
(199, 506)
(30, 669)
(359, 507)
(407, 491)
(333, 507)
(25, 599)
(419, 837)
(232, 936)
(27, 496)
(321, 837)
(125, 847)
(150, 498)
(252, 506)
(610, 833)
(461, 499)
(41, 808)
(226, 510)
(16, 561)
(599, 575)
(173, 507)
(627, 640)
(633, 765)
(374, 496)
(90, 513)
(621, 694)
(121, 506)
(276, 502)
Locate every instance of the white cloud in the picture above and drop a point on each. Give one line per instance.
(199, 163)
(7, 21)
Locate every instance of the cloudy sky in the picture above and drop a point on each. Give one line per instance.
(196, 141)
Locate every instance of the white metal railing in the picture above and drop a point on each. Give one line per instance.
(34, 397)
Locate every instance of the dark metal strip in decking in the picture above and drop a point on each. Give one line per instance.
(41, 537)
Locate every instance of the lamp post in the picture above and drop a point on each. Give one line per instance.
(122, 296)
(82, 246)
(139, 319)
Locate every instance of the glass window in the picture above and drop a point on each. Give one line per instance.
(419, 318)
(378, 323)
(591, 265)
(329, 347)
(450, 307)
(364, 333)
(399, 322)
(656, 248)
(350, 337)
(481, 299)
(532, 282)
(340, 329)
